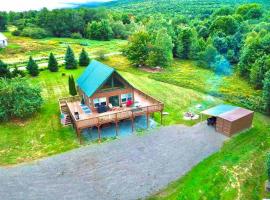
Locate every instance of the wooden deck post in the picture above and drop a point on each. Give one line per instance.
(116, 125)
(99, 134)
(78, 131)
(147, 116)
(132, 121)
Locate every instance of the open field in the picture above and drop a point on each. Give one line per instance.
(42, 135)
(238, 167)
(20, 48)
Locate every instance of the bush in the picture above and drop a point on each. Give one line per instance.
(34, 32)
(268, 166)
(76, 36)
(18, 98)
(16, 33)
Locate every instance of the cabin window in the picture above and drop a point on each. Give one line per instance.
(112, 83)
(126, 97)
(100, 101)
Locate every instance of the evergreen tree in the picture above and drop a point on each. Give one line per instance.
(84, 59)
(266, 92)
(32, 67)
(4, 71)
(72, 86)
(52, 64)
(70, 60)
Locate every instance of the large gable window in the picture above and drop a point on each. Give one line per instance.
(100, 102)
(112, 83)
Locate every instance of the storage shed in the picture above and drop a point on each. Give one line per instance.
(230, 119)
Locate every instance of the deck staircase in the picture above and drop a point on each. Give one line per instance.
(64, 110)
(66, 119)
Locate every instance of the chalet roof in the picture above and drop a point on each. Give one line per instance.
(2, 36)
(94, 77)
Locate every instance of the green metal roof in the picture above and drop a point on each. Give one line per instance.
(218, 110)
(94, 77)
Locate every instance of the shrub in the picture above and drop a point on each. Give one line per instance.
(101, 55)
(268, 166)
(16, 33)
(4, 71)
(32, 67)
(18, 98)
(76, 36)
(34, 32)
(72, 86)
(70, 60)
(52, 64)
(84, 59)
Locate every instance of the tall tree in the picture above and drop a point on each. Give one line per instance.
(84, 59)
(32, 67)
(3, 21)
(52, 64)
(183, 44)
(99, 30)
(161, 53)
(137, 50)
(72, 86)
(4, 71)
(70, 60)
(266, 92)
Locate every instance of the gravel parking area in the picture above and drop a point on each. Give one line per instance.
(129, 168)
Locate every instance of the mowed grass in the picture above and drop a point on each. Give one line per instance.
(237, 171)
(20, 48)
(43, 135)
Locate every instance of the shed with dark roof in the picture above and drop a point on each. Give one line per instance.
(230, 119)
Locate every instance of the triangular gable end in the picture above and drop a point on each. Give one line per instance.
(94, 76)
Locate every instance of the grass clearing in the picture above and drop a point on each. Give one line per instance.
(20, 48)
(43, 135)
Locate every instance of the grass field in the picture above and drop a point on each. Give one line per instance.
(20, 48)
(236, 172)
(42, 134)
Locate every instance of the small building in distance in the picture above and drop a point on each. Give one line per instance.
(3, 41)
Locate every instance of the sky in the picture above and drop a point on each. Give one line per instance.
(23, 5)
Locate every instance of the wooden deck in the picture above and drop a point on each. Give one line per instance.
(144, 105)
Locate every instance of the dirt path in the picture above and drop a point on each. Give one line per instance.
(129, 168)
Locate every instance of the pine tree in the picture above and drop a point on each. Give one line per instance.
(72, 86)
(84, 59)
(52, 64)
(70, 60)
(4, 71)
(266, 92)
(32, 67)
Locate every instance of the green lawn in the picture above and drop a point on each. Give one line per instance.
(20, 48)
(43, 135)
(236, 172)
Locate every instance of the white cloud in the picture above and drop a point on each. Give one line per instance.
(22, 5)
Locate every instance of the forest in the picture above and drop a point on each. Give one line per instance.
(229, 39)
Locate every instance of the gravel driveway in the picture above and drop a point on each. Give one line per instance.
(129, 168)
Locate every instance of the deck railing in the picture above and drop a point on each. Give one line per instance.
(105, 118)
(109, 117)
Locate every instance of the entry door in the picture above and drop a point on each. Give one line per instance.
(114, 100)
